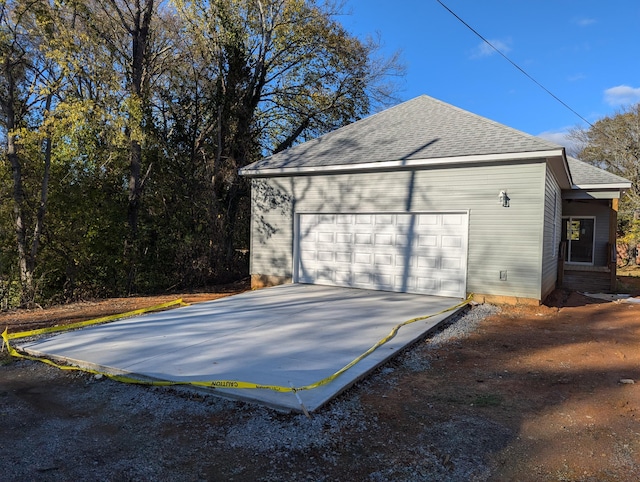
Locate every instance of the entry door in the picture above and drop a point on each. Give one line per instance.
(579, 234)
(414, 253)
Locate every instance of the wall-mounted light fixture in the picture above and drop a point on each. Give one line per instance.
(503, 198)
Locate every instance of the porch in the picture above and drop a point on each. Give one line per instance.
(587, 278)
(591, 279)
(587, 253)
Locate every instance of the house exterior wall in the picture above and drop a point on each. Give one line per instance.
(500, 238)
(552, 233)
(602, 212)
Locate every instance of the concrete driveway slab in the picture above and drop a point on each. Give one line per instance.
(287, 335)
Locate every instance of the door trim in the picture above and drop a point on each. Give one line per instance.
(593, 242)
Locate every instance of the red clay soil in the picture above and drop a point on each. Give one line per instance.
(535, 393)
(32, 319)
(560, 378)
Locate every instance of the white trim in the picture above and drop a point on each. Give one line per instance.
(366, 166)
(586, 187)
(295, 259)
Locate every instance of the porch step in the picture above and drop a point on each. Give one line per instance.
(587, 281)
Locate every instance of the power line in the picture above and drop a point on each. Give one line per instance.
(513, 63)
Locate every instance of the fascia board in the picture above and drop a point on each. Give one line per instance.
(592, 187)
(399, 164)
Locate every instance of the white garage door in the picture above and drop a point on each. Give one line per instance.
(414, 253)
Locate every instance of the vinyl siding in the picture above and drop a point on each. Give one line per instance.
(500, 239)
(601, 210)
(552, 233)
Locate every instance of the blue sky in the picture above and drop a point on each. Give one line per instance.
(586, 52)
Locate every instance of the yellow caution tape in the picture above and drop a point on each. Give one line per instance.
(82, 324)
(224, 384)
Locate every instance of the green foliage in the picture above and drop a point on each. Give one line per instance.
(613, 143)
(630, 232)
(217, 85)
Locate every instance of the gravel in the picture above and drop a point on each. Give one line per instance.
(265, 431)
(75, 426)
(417, 358)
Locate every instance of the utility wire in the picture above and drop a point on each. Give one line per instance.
(513, 63)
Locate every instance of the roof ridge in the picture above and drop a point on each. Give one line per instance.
(420, 128)
(406, 103)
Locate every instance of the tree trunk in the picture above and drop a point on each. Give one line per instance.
(44, 194)
(26, 275)
(136, 20)
(140, 37)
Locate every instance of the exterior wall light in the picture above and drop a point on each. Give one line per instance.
(503, 198)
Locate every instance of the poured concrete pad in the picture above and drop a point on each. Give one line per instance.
(286, 335)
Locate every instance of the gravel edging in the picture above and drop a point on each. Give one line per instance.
(98, 429)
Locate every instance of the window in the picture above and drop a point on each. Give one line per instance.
(579, 233)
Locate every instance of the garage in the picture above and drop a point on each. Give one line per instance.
(423, 253)
(424, 197)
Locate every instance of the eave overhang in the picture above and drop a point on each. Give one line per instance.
(555, 157)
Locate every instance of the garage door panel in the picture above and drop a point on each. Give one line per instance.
(364, 238)
(427, 284)
(450, 264)
(325, 256)
(403, 261)
(344, 257)
(450, 287)
(408, 282)
(344, 278)
(403, 240)
(405, 220)
(362, 278)
(385, 219)
(418, 253)
(383, 239)
(427, 262)
(308, 254)
(449, 241)
(427, 240)
(385, 280)
(325, 237)
(454, 220)
(385, 259)
(325, 276)
(326, 219)
(362, 258)
(428, 219)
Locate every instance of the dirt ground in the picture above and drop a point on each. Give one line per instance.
(534, 393)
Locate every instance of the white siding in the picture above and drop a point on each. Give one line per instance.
(552, 232)
(500, 239)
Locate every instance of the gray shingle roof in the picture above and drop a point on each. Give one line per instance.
(422, 128)
(584, 174)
